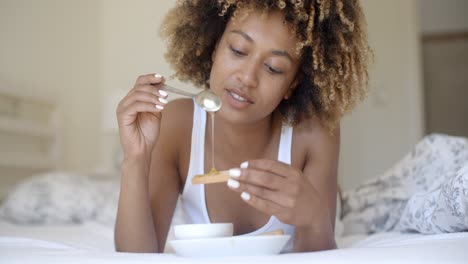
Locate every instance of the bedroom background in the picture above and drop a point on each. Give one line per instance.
(86, 54)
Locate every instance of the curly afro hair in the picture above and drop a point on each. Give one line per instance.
(333, 47)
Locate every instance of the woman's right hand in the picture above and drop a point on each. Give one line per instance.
(139, 116)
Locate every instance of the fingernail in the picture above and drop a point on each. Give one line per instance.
(244, 165)
(234, 172)
(157, 75)
(162, 100)
(233, 184)
(162, 93)
(245, 196)
(160, 107)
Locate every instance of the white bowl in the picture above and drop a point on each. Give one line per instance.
(230, 246)
(194, 231)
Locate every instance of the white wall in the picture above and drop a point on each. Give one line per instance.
(380, 131)
(52, 47)
(130, 47)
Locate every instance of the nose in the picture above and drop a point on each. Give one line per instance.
(249, 73)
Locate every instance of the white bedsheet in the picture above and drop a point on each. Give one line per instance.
(92, 243)
(88, 236)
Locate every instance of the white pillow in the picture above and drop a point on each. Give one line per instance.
(54, 198)
(109, 191)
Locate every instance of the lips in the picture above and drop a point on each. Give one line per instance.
(240, 96)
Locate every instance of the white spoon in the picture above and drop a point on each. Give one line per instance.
(206, 99)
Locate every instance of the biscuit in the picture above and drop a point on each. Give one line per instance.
(222, 176)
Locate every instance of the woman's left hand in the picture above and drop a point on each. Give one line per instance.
(278, 189)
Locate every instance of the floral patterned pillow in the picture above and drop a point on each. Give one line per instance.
(424, 192)
(442, 210)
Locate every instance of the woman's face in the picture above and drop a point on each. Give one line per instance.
(254, 66)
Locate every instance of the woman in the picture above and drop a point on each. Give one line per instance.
(286, 72)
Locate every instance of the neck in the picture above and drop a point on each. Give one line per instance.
(242, 142)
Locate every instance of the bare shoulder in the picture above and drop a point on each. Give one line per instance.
(315, 137)
(178, 114)
(176, 126)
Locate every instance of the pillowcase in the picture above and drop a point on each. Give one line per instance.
(106, 211)
(443, 210)
(56, 198)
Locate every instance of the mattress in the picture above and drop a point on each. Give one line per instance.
(93, 243)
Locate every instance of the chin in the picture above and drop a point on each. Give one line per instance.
(232, 116)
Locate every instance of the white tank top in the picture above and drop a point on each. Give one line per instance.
(193, 196)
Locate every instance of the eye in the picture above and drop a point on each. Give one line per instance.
(273, 70)
(237, 52)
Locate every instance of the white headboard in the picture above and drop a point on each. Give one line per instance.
(29, 135)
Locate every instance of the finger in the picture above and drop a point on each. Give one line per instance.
(272, 166)
(149, 79)
(281, 198)
(264, 206)
(128, 115)
(143, 97)
(150, 89)
(259, 177)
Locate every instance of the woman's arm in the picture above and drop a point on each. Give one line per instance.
(149, 190)
(320, 171)
(134, 230)
(139, 119)
(146, 204)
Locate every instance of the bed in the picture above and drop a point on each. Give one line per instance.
(416, 212)
(93, 242)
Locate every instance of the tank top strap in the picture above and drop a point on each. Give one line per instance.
(284, 149)
(193, 196)
(197, 151)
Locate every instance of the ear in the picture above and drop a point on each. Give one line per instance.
(292, 86)
(213, 54)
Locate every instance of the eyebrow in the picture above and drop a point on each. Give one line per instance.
(274, 52)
